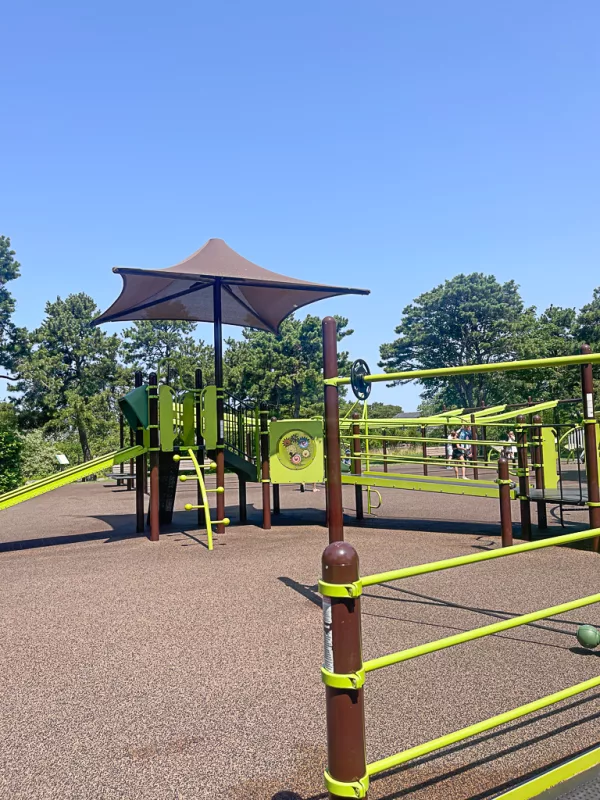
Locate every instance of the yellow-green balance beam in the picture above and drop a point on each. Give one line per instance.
(480, 727)
(477, 633)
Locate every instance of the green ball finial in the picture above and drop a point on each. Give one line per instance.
(588, 636)
(176, 457)
(183, 478)
(188, 506)
(226, 521)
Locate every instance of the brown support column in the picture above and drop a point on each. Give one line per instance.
(523, 463)
(242, 499)
(346, 753)
(591, 445)
(335, 512)
(220, 454)
(276, 494)
(424, 447)
(121, 446)
(154, 453)
(356, 466)
(474, 447)
(264, 456)
(139, 472)
(200, 453)
(536, 432)
(505, 508)
(131, 470)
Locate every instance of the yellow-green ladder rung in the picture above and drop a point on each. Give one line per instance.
(204, 494)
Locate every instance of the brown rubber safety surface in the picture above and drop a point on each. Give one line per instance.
(139, 671)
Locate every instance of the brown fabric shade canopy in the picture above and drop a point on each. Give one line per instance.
(215, 275)
(215, 284)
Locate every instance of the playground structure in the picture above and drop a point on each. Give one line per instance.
(343, 671)
(167, 424)
(217, 431)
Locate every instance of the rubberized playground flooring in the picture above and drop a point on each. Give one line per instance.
(162, 671)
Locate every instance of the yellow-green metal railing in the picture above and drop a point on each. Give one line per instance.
(473, 369)
(355, 681)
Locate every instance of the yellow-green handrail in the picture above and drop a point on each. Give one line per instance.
(473, 369)
(479, 727)
(476, 633)
(355, 589)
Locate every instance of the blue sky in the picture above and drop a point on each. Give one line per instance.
(386, 145)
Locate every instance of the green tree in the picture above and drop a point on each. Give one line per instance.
(38, 455)
(469, 319)
(70, 377)
(284, 370)
(587, 324)
(10, 449)
(152, 344)
(9, 334)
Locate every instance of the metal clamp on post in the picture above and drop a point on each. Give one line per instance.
(502, 482)
(347, 789)
(353, 680)
(591, 504)
(340, 589)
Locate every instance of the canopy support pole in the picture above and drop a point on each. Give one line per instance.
(220, 459)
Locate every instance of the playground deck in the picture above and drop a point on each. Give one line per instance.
(137, 671)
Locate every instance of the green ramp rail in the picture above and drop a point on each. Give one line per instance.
(36, 488)
(348, 773)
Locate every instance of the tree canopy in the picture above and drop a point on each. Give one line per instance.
(285, 371)
(9, 271)
(165, 346)
(469, 319)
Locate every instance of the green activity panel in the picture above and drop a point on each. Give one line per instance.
(208, 416)
(165, 417)
(296, 451)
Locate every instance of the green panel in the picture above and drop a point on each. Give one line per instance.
(549, 456)
(189, 427)
(135, 408)
(165, 418)
(296, 451)
(208, 418)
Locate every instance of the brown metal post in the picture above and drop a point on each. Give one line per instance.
(474, 447)
(536, 433)
(523, 463)
(140, 463)
(264, 457)
(335, 512)
(384, 451)
(505, 507)
(591, 445)
(424, 447)
(199, 385)
(121, 446)
(130, 481)
(486, 452)
(276, 494)
(220, 449)
(356, 466)
(346, 752)
(154, 457)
